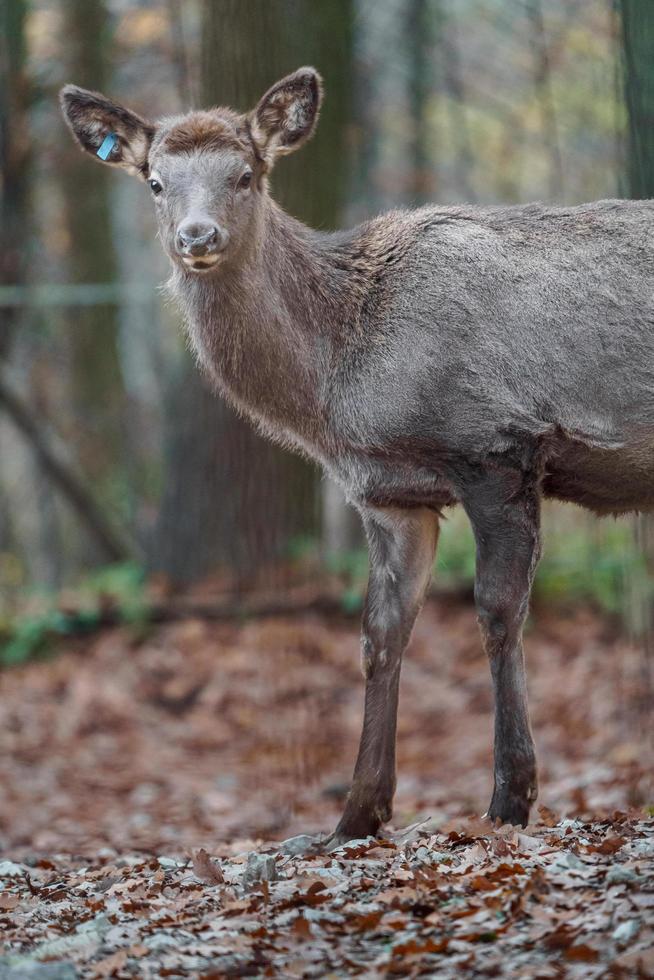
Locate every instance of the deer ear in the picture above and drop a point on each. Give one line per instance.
(107, 131)
(286, 116)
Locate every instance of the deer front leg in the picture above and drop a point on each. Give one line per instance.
(505, 520)
(402, 545)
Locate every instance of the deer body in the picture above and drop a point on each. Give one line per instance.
(389, 353)
(481, 356)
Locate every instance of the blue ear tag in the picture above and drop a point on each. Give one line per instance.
(107, 146)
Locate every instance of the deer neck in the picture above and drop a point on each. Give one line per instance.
(269, 330)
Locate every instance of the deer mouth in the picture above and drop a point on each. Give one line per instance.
(197, 263)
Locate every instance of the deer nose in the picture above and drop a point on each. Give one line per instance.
(200, 238)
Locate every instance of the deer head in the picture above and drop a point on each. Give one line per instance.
(207, 171)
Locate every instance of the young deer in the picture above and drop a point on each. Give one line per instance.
(485, 356)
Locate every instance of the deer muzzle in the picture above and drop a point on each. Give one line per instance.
(199, 243)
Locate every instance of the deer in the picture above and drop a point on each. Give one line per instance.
(481, 356)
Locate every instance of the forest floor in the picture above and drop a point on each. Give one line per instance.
(146, 784)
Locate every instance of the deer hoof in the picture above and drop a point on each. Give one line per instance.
(509, 808)
(336, 840)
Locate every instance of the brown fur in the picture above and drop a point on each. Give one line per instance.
(287, 114)
(212, 130)
(90, 116)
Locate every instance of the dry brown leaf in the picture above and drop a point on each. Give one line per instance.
(560, 938)
(381, 853)
(548, 817)
(481, 883)
(301, 926)
(397, 897)
(582, 953)
(365, 922)
(208, 871)
(639, 963)
(234, 906)
(610, 845)
(414, 947)
(503, 871)
(404, 874)
(109, 966)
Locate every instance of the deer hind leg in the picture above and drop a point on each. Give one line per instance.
(402, 545)
(505, 516)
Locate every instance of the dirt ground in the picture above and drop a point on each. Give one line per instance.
(128, 764)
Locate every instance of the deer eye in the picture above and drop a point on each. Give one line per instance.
(155, 186)
(245, 180)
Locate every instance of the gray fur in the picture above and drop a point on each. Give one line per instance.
(421, 340)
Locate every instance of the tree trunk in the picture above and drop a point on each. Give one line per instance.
(543, 90)
(14, 215)
(231, 499)
(637, 17)
(14, 158)
(96, 383)
(637, 22)
(457, 102)
(420, 173)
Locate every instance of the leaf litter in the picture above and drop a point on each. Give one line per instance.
(142, 829)
(391, 907)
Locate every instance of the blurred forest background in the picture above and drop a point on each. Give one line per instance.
(119, 467)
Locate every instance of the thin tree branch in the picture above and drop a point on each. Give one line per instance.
(53, 458)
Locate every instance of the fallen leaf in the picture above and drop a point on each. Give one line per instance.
(416, 946)
(301, 926)
(610, 845)
(582, 954)
(547, 817)
(207, 870)
(365, 922)
(109, 966)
